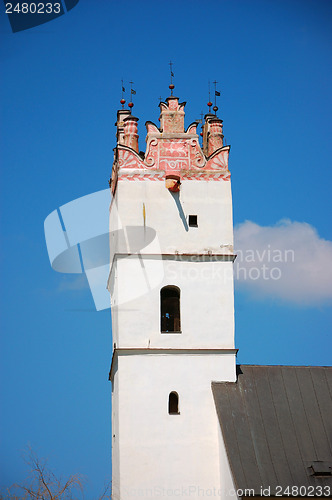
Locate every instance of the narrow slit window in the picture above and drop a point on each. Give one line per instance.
(193, 221)
(173, 403)
(170, 309)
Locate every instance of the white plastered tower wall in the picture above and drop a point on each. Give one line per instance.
(153, 245)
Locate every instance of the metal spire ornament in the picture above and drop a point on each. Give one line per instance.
(123, 90)
(132, 92)
(171, 86)
(216, 93)
(209, 103)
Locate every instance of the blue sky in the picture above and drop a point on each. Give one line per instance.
(60, 87)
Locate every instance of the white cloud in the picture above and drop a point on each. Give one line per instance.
(288, 261)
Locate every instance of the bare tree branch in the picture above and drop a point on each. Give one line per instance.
(44, 485)
(107, 490)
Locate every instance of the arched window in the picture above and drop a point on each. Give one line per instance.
(173, 403)
(170, 309)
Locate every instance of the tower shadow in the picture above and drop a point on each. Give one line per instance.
(176, 198)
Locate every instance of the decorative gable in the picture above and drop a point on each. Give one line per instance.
(171, 152)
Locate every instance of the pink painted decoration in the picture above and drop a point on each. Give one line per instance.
(170, 150)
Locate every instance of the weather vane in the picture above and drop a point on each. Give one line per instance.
(132, 92)
(209, 103)
(171, 86)
(123, 90)
(216, 94)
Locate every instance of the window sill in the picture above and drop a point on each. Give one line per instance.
(172, 332)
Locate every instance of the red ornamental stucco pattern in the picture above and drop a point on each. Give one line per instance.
(219, 160)
(182, 154)
(173, 156)
(197, 159)
(127, 159)
(172, 123)
(171, 150)
(160, 176)
(171, 153)
(173, 104)
(130, 127)
(182, 157)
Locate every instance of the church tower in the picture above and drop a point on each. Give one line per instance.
(172, 300)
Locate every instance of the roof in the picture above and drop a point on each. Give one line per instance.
(277, 426)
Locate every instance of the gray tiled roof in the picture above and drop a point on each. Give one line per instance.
(277, 426)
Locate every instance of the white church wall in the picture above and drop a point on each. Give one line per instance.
(174, 455)
(115, 433)
(206, 302)
(167, 214)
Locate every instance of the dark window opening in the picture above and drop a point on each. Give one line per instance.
(170, 309)
(193, 221)
(173, 403)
